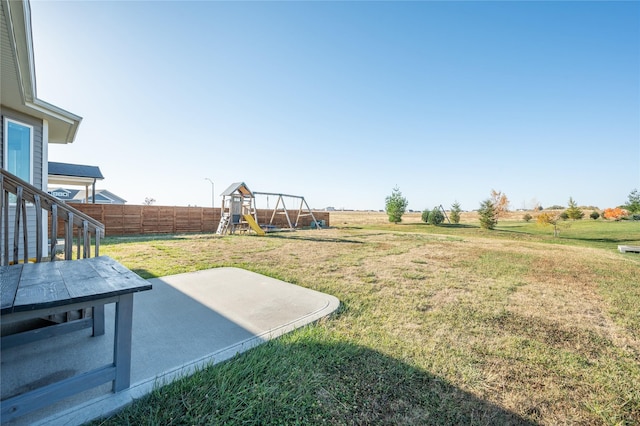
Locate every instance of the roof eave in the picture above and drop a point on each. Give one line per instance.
(63, 125)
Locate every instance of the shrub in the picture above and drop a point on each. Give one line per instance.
(425, 215)
(635, 217)
(615, 214)
(564, 215)
(436, 217)
(527, 217)
(594, 215)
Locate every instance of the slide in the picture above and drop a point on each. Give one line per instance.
(252, 223)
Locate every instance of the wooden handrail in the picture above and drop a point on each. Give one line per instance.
(74, 219)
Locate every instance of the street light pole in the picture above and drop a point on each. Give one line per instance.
(212, 192)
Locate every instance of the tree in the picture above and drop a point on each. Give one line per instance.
(488, 214)
(634, 202)
(455, 212)
(550, 219)
(396, 205)
(436, 217)
(500, 204)
(573, 212)
(148, 201)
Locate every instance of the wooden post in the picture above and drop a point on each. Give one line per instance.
(54, 231)
(86, 239)
(68, 237)
(16, 224)
(299, 212)
(36, 202)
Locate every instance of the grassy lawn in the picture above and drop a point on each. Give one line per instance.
(438, 325)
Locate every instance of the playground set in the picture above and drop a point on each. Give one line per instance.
(238, 212)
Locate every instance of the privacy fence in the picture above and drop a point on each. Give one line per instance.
(125, 219)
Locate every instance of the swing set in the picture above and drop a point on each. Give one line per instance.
(281, 209)
(238, 212)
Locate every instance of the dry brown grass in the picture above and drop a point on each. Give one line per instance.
(350, 218)
(527, 326)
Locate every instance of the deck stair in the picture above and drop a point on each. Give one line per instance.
(28, 218)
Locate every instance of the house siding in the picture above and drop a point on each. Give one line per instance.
(37, 176)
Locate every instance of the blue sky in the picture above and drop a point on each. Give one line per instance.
(342, 101)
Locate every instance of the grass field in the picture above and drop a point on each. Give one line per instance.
(438, 325)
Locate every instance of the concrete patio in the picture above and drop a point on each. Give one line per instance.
(186, 322)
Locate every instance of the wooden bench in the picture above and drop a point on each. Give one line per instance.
(37, 290)
(629, 249)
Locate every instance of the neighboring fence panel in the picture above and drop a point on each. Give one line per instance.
(126, 219)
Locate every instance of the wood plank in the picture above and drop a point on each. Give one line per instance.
(9, 279)
(76, 270)
(40, 295)
(30, 401)
(88, 289)
(109, 278)
(30, 336)
(105, 265)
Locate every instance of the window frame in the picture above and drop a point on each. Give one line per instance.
(5, 143)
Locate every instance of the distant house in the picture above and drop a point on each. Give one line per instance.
(106, 197)
(74, 175)
(102, 196)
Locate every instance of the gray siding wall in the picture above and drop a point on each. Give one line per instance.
(37, 178)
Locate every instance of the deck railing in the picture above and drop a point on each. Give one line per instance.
(17, 194)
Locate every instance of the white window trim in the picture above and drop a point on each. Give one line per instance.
(5, 154)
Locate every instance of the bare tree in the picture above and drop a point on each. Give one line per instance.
(148, 201)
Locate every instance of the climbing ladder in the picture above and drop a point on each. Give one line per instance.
(223, 226)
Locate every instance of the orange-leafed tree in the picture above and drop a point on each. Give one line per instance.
(615, 213)
(500, 203)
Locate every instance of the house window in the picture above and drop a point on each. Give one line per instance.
(18, 149)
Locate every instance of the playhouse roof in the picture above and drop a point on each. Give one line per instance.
(238, 187)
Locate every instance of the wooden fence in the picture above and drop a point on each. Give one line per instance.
(125, 219)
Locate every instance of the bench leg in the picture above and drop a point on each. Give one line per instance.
(122, 342)
(98, 320)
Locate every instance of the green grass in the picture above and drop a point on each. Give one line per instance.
(437, 325)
